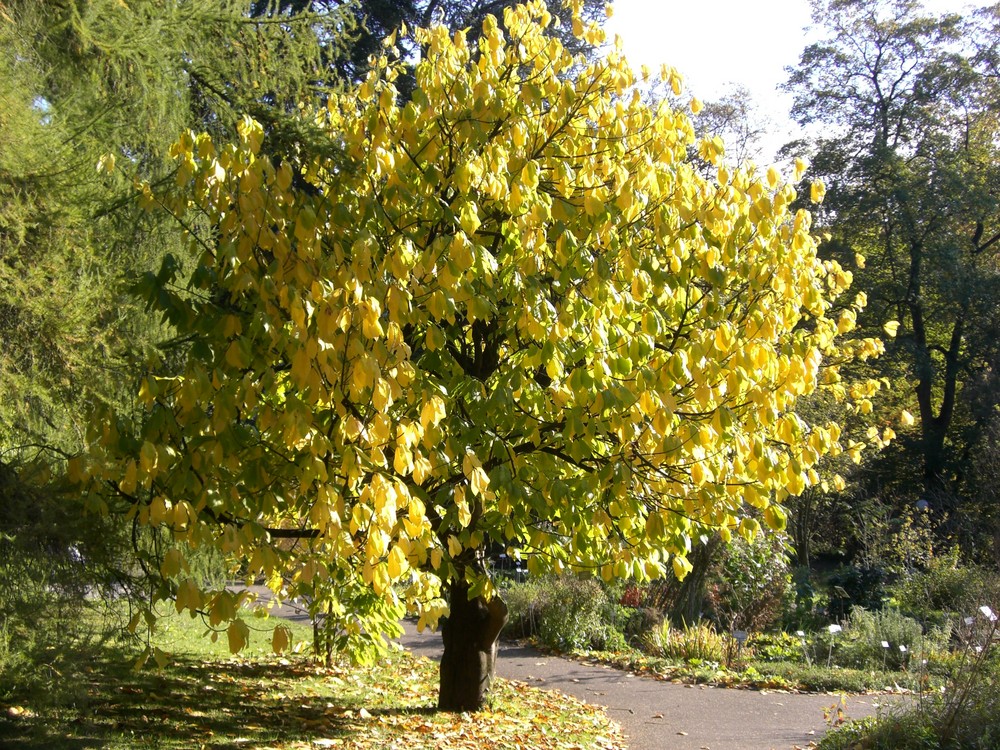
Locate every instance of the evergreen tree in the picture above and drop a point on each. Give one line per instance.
(105, 83)
(92, 94)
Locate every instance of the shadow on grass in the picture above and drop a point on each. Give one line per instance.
(187, 704)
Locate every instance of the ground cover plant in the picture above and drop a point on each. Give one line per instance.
(204, 697)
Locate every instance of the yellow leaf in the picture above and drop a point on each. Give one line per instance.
(479, 482)
(592, 203)
(283, 176)
(462, 508)
(433, 412)
(381, 395)
(280, 638)
(173, 560)
(654, 526)
(775, 517)
(106, 163)
(128, 481)
(397, 563)
(238, 634)
(748, 528)
(891, 327)
(402, 460)
(148, 457)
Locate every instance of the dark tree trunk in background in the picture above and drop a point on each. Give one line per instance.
(470, 636)
(687, 607)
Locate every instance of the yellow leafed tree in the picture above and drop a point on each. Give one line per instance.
(505, 315)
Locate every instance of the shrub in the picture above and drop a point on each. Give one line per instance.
(632, 596)
(523, 608)
(565, 613)
(944, 587)
(640, 621)
(852, 586)
(893, 731)
(750, 584)
(809, 610)
(572, 614)
(965, 714)
(863, 645)
(921, 727)
(817, 678)
(776, 647)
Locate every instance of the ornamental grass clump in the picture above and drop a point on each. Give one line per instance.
(696, 643)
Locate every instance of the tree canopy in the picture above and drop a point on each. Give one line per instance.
(908, 101)
(507, 314)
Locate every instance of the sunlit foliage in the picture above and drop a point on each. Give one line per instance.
(507, 314)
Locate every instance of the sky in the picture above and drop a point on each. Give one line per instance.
(716, 43)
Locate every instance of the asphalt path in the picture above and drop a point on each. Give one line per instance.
(661, 715)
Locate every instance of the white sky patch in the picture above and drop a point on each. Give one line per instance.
(718, 43)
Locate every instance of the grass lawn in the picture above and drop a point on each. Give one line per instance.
(205, 698)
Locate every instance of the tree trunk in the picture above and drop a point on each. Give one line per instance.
(470, 635)
(690, 601)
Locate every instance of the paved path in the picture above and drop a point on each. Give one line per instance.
(659, 715)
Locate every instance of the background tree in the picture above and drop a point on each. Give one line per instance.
(94, 83)
(508, 314)
(908, 148)
(375, 20)
(735, 118)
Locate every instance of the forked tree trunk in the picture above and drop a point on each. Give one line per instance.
(470, 635)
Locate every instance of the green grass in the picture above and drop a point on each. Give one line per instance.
(205, 698)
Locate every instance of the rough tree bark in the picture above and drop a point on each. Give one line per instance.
(470, 635)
